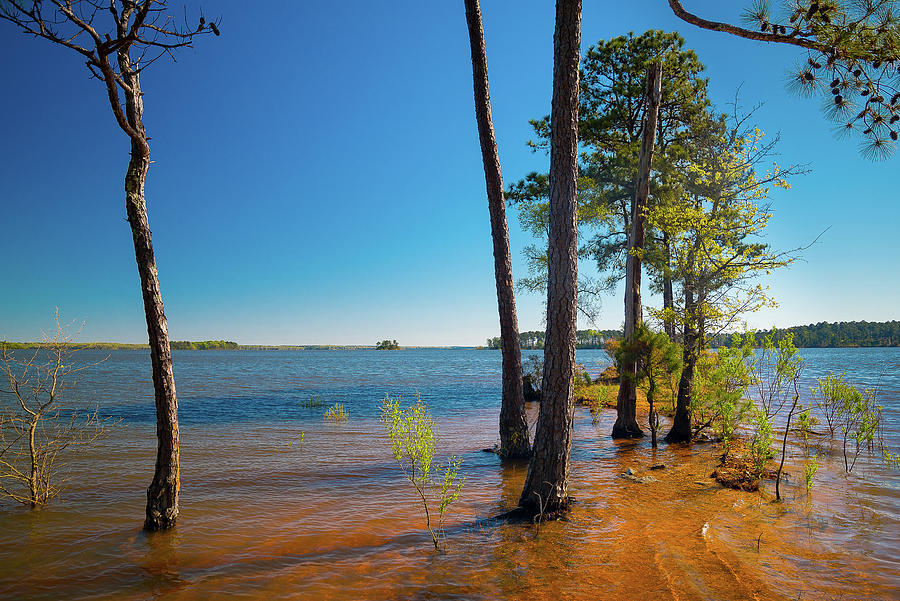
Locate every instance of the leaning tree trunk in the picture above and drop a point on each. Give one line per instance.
(513, 422)
(547, 483)
(162, 494)
(681, 423)
(626, 425)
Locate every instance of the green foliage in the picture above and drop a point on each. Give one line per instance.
(612, 103)
(387, 345)
(655, 356)
(860, 424)
(829, 396)
(336, 413)
(720, 385)
(851, 64)
(715, 230)
(852, 47)
(413, 435)
(203, 345)
(584, 339)
(761, 442)
(809, 470)
(300, 441)
(806, 421)
(856, 415)
(776, 371)
(313, 402)
(837, 335)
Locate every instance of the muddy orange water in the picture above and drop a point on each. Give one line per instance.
(266, 517)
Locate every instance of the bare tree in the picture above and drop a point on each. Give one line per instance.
(513, 423)
(547, 483)
(117, 40)
(37, 435)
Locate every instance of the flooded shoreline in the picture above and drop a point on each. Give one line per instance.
(332, 518)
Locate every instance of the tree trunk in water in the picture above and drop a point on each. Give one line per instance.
(546, 488)
(32, 451)
(513, 422)
(626, 425)
(681, 423)
(162, 494)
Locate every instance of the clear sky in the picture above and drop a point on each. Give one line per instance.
(317, 177)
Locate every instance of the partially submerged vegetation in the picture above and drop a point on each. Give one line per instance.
(336, 414)
(413, 436)
(39, 434)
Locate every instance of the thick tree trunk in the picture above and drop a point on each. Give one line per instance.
(547, 483)
(681, 423)
(626, 425)
(513, 423)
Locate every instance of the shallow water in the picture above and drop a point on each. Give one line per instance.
(264, 516)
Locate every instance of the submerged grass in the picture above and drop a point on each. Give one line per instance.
(336, 413)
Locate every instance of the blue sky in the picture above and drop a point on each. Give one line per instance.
(317, 177)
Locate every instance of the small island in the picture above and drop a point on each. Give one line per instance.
(387, 345)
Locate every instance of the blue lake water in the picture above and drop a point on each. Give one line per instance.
(278, 503)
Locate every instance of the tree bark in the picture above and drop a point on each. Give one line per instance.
(681, 423)
(626, 425)
(668, 295)
(162, 494)
(513, 422)
(546, 488)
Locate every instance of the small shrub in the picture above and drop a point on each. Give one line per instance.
(829, 399)
(413, 436)
(761, 443)
(655, 358)
(721, 381)
(776, 368)
(336, 413)
(809, 470)
(806, 421)
(860, 424)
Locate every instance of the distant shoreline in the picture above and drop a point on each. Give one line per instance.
(845, 334)
(122, 346)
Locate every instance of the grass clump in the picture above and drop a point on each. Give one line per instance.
(336, 413)
(313, 402)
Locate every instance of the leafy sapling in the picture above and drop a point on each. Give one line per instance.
(413, 435)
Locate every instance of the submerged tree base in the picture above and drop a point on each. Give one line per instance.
(627, 430)
(533, 515)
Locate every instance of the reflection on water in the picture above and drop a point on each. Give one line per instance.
(263, 516)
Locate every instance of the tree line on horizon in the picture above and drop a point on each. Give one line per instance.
(584, 339)
(842, 334)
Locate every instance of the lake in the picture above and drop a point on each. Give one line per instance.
(277, 503)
